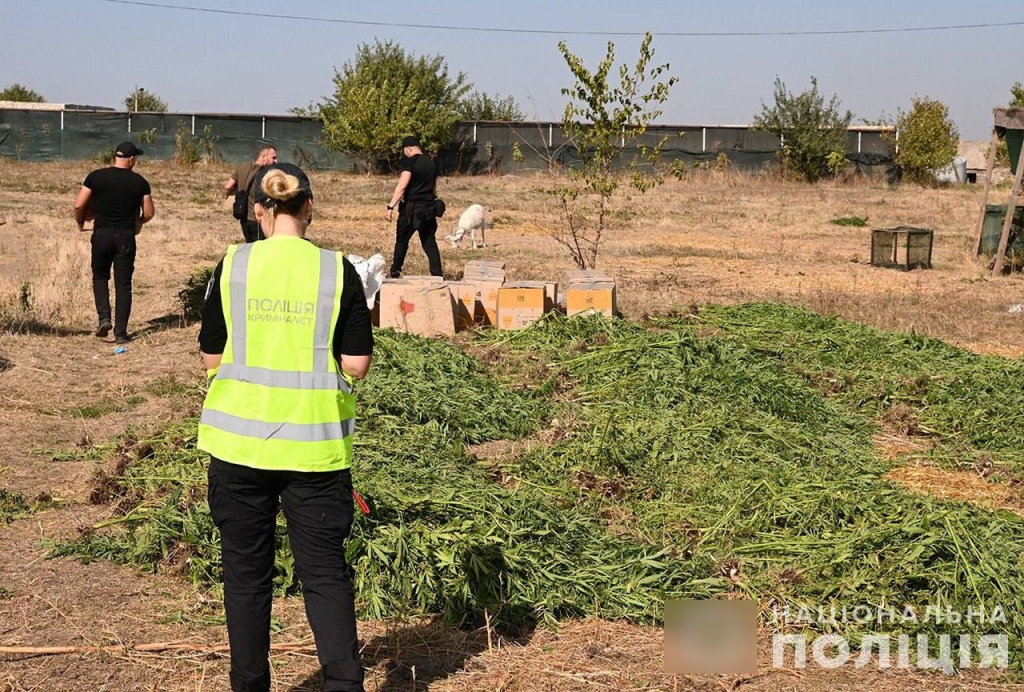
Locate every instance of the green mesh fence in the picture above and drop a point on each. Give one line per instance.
(484, 147)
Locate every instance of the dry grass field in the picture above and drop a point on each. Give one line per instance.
(65, 397)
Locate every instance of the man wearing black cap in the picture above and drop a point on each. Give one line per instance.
(414, 196)
(120, 201)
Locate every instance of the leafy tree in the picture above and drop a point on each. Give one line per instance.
(811, 128)
(17, 92)
(603, 120)
(386, 94)
(143, 101)
(928, 139)
(482, 106)
(1003, 150)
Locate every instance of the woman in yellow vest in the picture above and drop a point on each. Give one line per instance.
(286, 332)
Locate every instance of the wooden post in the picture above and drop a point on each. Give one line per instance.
(1011, 211)
(993, 148)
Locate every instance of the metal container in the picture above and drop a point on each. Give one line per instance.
(992, 230)
(903, 248)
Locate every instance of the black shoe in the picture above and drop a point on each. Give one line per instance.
(104, 328)
(122, 339)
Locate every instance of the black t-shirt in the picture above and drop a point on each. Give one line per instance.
(424, 178)
(353, 335)
(116, 197)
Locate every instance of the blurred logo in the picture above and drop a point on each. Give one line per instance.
(710, 637)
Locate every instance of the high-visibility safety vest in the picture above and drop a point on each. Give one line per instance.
(279, 400)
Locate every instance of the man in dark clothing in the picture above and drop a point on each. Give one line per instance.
(414, 196)
(120, 201)
(241, 181)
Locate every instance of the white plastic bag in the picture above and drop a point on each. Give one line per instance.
(371, 273)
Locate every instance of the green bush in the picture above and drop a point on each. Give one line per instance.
(813, 131)
(482, 106)
(386, 94)
(856, 221)
(928, 139)
(190, 149)
(192, 297)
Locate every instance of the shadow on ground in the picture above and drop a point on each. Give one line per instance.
(35, 327)
(414, 656)
(172, 320)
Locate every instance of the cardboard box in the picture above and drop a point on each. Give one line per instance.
(483, 273)
(486, 311)
(414, 306)
(495, 264)
(585, 276)
(550, 289)
(521, 305)
(389, 300)
(551, 292)
(464, 298)
(422, 279)
(429, 311)
(424, 310)
(595, 296)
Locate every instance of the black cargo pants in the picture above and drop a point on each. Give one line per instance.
(413, 218)
(318, 509)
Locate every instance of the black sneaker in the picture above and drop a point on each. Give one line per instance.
(104, 328)
(122, 339)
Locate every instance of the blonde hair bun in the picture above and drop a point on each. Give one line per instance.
(281, 186)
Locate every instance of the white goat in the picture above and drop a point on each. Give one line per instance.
(471, 221)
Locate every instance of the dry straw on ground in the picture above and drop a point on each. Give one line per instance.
(711, 238)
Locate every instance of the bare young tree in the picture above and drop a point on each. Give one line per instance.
(604, 121)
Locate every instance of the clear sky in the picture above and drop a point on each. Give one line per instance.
(95, 52)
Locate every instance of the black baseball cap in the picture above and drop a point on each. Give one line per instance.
(305, 189)
(126, 150)
(411, 141)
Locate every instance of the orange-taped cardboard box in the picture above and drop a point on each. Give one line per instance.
(522, 304)
(591, 296)
(464, 298)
